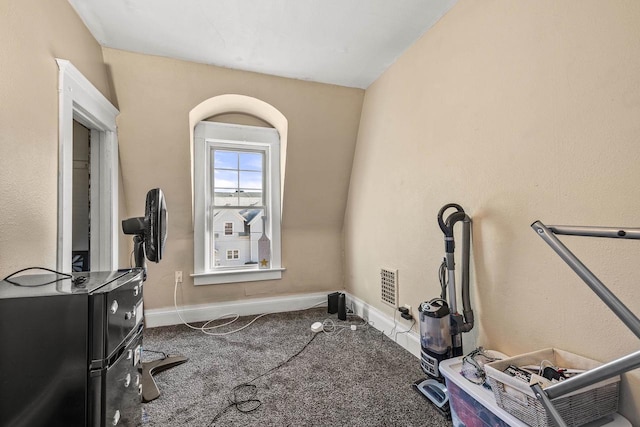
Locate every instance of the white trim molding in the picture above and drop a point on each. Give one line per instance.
(79, 100)
(249, 307)
(384, 322)
(236, 276)
(380, 320)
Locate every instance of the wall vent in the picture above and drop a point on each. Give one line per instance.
(389, 287)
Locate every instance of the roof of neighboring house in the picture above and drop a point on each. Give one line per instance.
(248, 215)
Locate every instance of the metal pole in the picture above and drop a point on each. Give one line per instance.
(611, 232)
(592, 376)
(627, 317)
(546, 402)
(607, 370)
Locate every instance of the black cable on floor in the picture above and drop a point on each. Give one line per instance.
(244, 395)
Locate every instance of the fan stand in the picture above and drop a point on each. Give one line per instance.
(150, 389)
(151, 230)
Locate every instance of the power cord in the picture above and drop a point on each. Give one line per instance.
(205, 328)
(330, 327)
(405, 332)
(394, 333)
(395, 325)
(244, 396)
(444, 282)
(131, 259)
(64, 276)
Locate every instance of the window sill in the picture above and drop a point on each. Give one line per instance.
(235, 276)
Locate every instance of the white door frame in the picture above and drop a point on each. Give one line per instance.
(79, 100)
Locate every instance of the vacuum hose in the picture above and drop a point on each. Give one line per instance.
(446, 225)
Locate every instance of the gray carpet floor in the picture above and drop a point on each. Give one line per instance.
(352, 378)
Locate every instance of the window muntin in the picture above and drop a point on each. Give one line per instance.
(238, 178)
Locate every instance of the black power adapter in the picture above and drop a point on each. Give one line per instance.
(404, 313)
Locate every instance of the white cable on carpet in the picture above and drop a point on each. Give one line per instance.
(205, 329)
(330, 327)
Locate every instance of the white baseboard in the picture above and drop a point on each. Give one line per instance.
(410, 341)
(204, 312)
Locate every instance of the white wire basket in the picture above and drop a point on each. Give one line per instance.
(577, 408)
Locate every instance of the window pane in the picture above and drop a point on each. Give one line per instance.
(225, 159)
(225, 179)
(251, 162)
(251, 180)
(239, 249)
(225, 198)
(250, 198)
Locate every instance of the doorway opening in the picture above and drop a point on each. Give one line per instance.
(81, 231)
(85, 111)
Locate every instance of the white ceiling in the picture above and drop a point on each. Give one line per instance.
(342, 42)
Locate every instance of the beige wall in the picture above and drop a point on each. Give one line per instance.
(518, 111)
(155, 96)
(32, 34)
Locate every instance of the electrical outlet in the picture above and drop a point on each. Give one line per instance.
(405, 311)
(178, 276)
(408, 307)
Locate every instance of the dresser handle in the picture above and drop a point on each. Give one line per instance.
(129, 314)
(116, 418)
(114, 307)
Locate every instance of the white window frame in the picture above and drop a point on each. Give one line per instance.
(79, 100)
(206, 136)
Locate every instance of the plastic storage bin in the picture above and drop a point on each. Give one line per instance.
(473, 405)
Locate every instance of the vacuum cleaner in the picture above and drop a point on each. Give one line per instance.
(441, 325)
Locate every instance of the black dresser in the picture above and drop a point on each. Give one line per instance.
(70, 350)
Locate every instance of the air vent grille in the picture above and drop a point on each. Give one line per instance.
(389, 286)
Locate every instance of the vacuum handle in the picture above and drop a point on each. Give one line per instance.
(447, 229)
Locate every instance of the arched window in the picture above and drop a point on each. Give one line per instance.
(237, 184)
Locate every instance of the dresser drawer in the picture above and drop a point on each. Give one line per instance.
(116, 390)
(117, 312)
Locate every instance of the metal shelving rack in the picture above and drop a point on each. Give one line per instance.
(607, 370)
